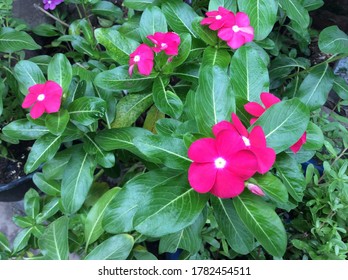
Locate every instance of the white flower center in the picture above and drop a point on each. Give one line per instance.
(49, 2)
(235, 28)
(246, 141)
(136, 58)
(220, 163)
(218, 17)
(41, 97)
(164, 46)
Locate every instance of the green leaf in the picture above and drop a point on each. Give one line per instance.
(166, 101)
(107, 9)
(27, 74)
(117, 247)
(248, 66)
(24, 130)
(179, 16)
(228, 4)
(183, 53)
(262, 14)
(57, 122)
(152, 21)
(292, 175)
(86, 110)
(170, 208)
(60, 71)
(214, 98)
(77, 180)
(43, 149)
(340, 87)
(119, 79)
(316, 86)
(284, 123)
(204, 32)
(216, 57)
(314, 138)
(32, 203)
(49, 209)
(273, 187)
(50, 187)
(237, 235)
(311, 5)
(139, 5)
(4, 244)
(152, 116)
(54, 242)
(333, 40)
(119, 214)
(93, 223)
(21, 240)
(12, 41)
(166, 150)
(46, 30)
(295, 11)
(117, 45)
(121, 138)
(263, 222)
(54, 168)
(130, 107)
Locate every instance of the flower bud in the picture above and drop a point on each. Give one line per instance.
(255, 189)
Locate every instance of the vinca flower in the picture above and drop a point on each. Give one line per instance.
(217, 19)
(43, 98)
(168, 42)
(220, 166)
(255, 141)
(51, 4)
(143, 58)
(256, 110)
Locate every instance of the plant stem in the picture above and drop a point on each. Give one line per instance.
(50, 15)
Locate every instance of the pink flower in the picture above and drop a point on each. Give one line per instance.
(221, 165)
(255, 141)
(255, 189)
(51, 4)
(43, 98)
(256, 110)
(218, 19)
(168, 42)
(143, 58)
(237, 31)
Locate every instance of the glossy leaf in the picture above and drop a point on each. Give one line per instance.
(333, 40)
(292, 176)
(166, 150)
(263, 222)
(340, 87)
(87, 109)
(214, 98)
(152, 116)
(54, 168)
(54, 242)
(31, 203)
(165, 100)
(117, 247)
(119, 214)
(12, 41)
(207, 35)
(57, 122)
(139, 5)
(24, 130)
(237, 235)
(315, 88)
(27, 74)
(228, 4)
(21, 240)
(130, 107)
(248, 66)
(43, 149)
(60, 71)
(314, 137)
(262, 14)
(284, 123)
(4, 243)
(295, 11)
(93, 224)
(77, 180)
(106, 9)
(48, 210)
(119, 79)
(152, 20)
(117, 45)
(179, 16)
(50, 187)
(183, 53)
(216, 57)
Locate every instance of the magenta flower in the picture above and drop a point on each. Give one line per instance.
(51, 4)
(237, 31)
(221, 165)
(143, 58)
(43, 98)
(256, 110)
(218, 19)
(255, 189)
(168, 42)
(255, 141)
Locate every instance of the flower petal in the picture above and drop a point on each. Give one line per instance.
(37, 110)
(265, 158)
(29, 100)
(254, 109)
(268, 99)
(257, 137)
(202, 176)
(229, 142)
(203, 150)
(145, 67)
(239, 126)
(244, 164)
(227, 184)
(226, 34)
(223, 125)
(237, 41)
(52, 88)
(297, 146)
(242, 19)
(52, 103)
(37, 89)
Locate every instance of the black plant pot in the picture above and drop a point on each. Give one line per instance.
(15, 190)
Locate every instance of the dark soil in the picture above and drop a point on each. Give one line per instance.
(11, 167)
